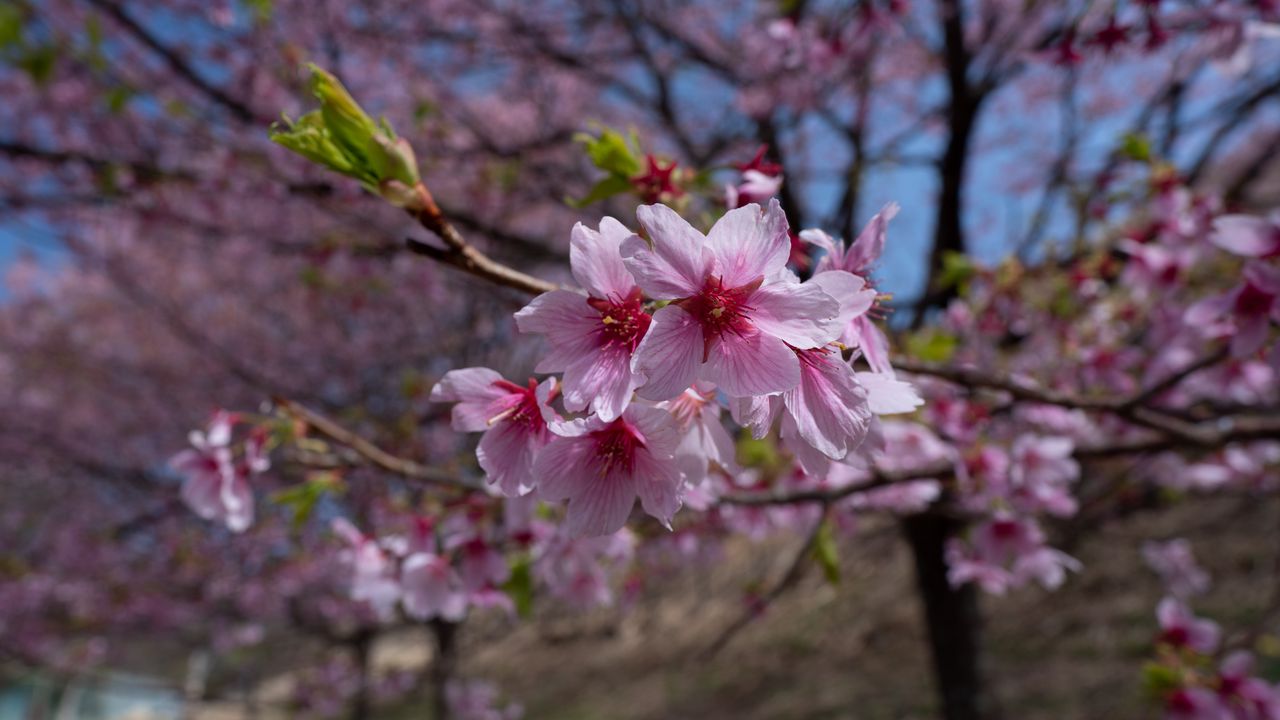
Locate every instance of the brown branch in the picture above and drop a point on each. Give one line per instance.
(880, 478)
(461, 254)
(1210, 435)
(794, 572)
(370, 452)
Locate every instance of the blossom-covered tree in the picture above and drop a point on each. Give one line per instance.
(1118, 333)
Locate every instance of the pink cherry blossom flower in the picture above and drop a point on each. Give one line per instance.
(704, 442)
(755, 187)
(1176, 566)
(829, 409)
(601, 467)
(513, 419)
(1253, 305)
(214, 486)
(1007, 552)
(1179, 627)
(592, 338)
(373, 578)
(579, 570)
(1247, 697)
(736, 314)
(432, 588)
(478, 700)
(859, 259)
(480, 563)
(1194, 703)
(1041, 472)
(1248, 235)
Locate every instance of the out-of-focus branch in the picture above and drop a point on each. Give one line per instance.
(880, 478)
(1212, 435)
(370, 452)
(176, 63)
(794, 572)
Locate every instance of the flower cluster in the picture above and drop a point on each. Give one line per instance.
(672, 326)
(216, 481)
(1186, 682)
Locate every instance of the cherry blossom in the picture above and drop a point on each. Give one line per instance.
(735, 319)
(600, 468)
(592, 339)
(1179, 627)
(513, 419)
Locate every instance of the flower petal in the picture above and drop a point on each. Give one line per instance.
(506, 454)
(829, 406)
(801, 315)
(849, 290)
(569, 324)
(870, 243)
(658, 483)
(596, 259)
(677, 264)
(748, 244)
(757, 364)
(474, 390)
(602, 379)
(668, 356)
(887, 395)
(602, 506)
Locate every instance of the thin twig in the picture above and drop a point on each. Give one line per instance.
(792, 576)
(374, 454)
(463, 255)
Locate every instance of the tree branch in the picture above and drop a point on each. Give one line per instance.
(370, 452)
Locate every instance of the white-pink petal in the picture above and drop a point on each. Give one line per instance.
(678, 262)
(756, 364)
(803, 316)
(596, 259)
(669, 355)
(748, 243)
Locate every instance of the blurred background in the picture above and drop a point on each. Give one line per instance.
(163, 259)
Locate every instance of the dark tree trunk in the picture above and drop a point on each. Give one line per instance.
(962, 115)
(444, 665)
(952, 618)
(361, 648)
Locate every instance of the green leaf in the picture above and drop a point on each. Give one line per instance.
(611, 153)
(93, 32)
(341, 136)
(520, 586)
(603, 190)
(118, 98)
(423, 110)
(932, 345)
(10, 25)
(757, 453)
(826, 553)
(39, 63)
(1160, 680)
(261, 9)
(957, 269)
(1136, 146)
(301, 499)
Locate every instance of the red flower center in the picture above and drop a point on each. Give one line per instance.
(1176, 636)
(616, 446)
(1253, 300)
(522, 405)
(624, 322)
(720, 310)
